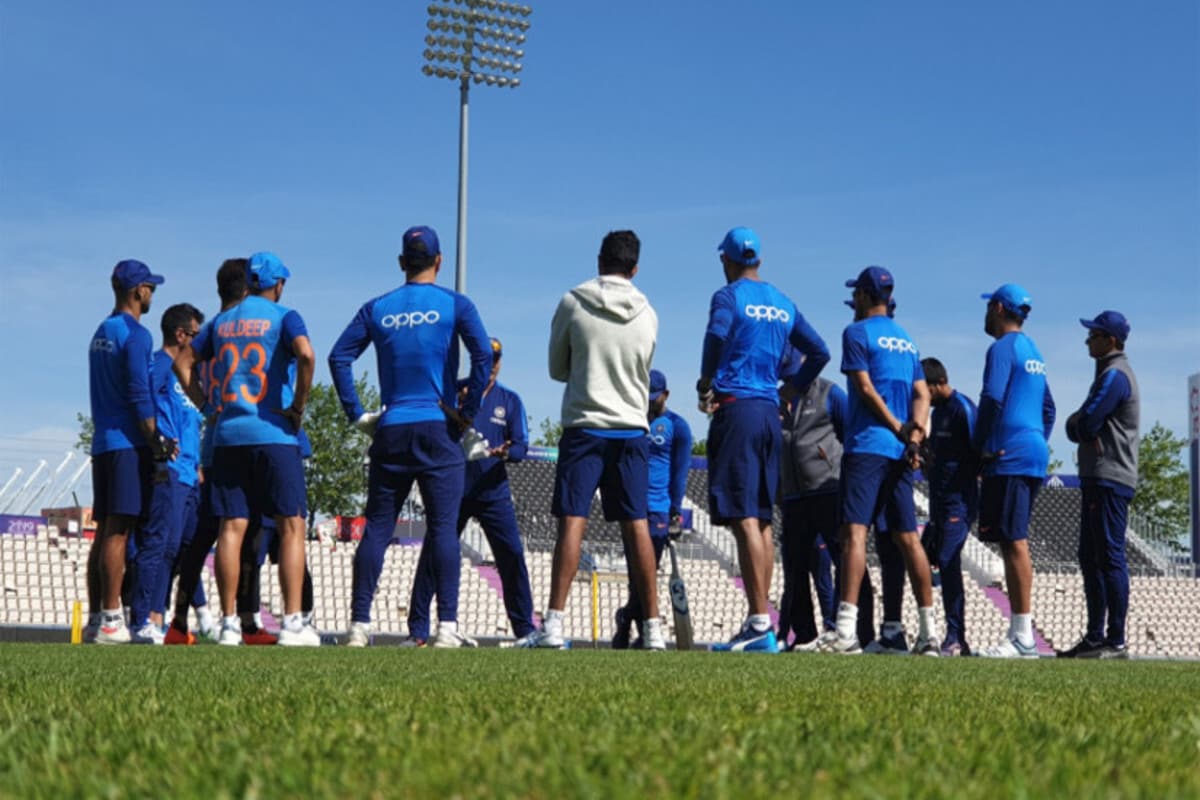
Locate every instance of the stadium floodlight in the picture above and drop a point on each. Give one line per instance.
(473, 41)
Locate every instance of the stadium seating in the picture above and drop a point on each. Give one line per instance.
(41, 576)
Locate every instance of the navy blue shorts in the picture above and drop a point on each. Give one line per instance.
(121, 483)
(619, 468)
(1005, 505)
(877, 489)
(745, 444)
(660, 524)
(258, 479)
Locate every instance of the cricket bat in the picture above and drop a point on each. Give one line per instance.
(679, 605)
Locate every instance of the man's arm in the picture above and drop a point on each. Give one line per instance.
(518, 431)
(996, 371)
(1105, 397)
(1049, 412)
(349, 346)
(560, 342)
(139, 391)
(816, 354)
(860, 382)
(469, 328)
(296, 335)
(836, 404)
(681, 462)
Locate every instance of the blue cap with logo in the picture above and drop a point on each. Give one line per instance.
(742, 245)
(421, 241)
(1112, 323)
(131, 272)
(266, 270)
(1013, 297)
(658, 384)
(875, 280)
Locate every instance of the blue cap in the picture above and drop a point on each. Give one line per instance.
(658, 384)
(130, 273)
(421, 241)
(875, 280)
(1111, 322)
(266, 270)
(742, 245)
(1013, 298)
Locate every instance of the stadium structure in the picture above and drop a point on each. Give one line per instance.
(43, 566)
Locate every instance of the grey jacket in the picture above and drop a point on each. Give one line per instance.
(812, 450)
(1106, 426)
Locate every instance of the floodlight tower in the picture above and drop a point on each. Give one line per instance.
(473, 41)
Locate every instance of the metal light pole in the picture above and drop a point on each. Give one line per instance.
(473, 41)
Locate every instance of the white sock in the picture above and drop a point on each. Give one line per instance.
(112, 615)
(258, 619)
(204, 618)
(892, 627)
(847, 620)
(1021, 628)
(292, 622)
(758, 622)
(926, 623)
(652, 627)
(553, 622)
(233, 622)
(449, 626)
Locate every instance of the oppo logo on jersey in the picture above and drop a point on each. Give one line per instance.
(768, 313)
(895, 344)
(1035, 367)
(410, 319)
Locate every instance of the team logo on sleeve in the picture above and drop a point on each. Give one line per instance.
(410, 319)
(103, 346)
(894, 344)
(1035, 367)
(767, 314)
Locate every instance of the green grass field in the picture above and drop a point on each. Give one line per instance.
(211, 722)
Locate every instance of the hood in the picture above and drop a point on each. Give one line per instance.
(612, 296)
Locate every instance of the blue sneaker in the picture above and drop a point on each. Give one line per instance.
(750, 641)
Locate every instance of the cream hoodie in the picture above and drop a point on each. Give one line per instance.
(602, 341)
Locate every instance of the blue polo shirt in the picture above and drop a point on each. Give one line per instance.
(884, 350)
(750, 324)
(1016, 409)
(670, 455)
(119, 383)
(500, 419)
(176, 418)
(415, 329)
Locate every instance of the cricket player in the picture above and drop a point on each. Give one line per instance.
(256, 456)
(231, 289)
(416, 330)
(670, 453)
(952, 470)
(488, 498)
(888, 403)
(602, 341)
(1106, 430)
(128, 450)
(1016, 415)
(750, 325)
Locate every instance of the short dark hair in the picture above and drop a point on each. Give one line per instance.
(178, 316)
(231, 279)
(619, 253)
(1014, 316)
(935, 371)
(418, 263)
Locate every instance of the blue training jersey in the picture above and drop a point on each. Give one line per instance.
(212, 406)
(176, 417)
(882, 349)
(953, 486)
(252, 345)
(119, 383)
(415, 330)
(750, 324)
(500, 419)
(670, 459)
(1016, 409)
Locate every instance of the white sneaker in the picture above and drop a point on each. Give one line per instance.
(113, 632)
(542, 638)
(230, 636)
(360, 634)
(1010, 648)
(448, 638)
(304, 636)
(653, 638)
(831, 642)
(808, 647)
(148, 634)
(926, 647)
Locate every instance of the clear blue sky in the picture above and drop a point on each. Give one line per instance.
(963, 145)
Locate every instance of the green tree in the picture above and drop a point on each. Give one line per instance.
(1055, 466)
(87, 429)
(1162, 491)
(700, 447)
(551, 433)
(337, 482)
